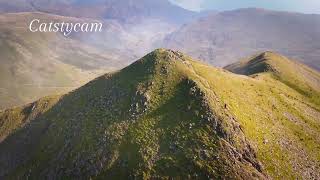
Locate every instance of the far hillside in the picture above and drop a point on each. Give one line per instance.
(39, 64)
(223, 38)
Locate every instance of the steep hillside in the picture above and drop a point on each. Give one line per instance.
(163, 116)
(37, 64)
(220, 39)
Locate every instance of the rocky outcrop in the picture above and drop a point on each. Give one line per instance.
(236, 148)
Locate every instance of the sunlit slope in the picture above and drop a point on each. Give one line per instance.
(166, 115)
(295, 75)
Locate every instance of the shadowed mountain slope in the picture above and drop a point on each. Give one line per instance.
(163, 116)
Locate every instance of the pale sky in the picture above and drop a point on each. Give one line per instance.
(304, 6)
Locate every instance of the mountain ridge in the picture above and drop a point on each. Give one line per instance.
(167, 115)
(288, 71)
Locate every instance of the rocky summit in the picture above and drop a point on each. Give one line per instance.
(169, 116)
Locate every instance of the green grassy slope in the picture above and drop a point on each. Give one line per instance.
(282, 97)
(295, 75)
(14, 119)
(167, 116)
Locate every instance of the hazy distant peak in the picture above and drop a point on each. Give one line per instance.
(123, 10)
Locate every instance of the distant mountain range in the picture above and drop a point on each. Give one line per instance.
(122, 10)
(222, 38)
(167, 116)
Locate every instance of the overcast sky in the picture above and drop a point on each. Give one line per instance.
(304, 6)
